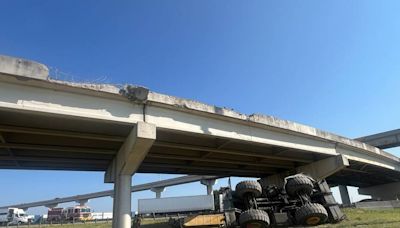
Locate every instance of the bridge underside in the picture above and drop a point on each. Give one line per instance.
(57, 142)
(54, 125)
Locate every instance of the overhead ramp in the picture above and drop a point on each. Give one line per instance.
(57, 125)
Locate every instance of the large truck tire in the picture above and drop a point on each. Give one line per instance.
(299, 184)
(246, 187)
(254, 218)
(311, 214)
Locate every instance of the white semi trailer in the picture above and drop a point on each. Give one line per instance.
(176, 204)
(13, 216)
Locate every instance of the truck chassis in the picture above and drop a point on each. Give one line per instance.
(301, 201)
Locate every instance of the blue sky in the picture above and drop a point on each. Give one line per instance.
(333, 65)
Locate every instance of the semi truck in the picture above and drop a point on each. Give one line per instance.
(13, 216)
(171, 205)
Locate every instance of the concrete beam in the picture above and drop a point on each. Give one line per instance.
(70, 100)
(389, 191)
(383, 140)
(63, 133)
(324, 168)
(22, 67)
(132, 152)
(51, 205)
(135, 148)
(318, 170)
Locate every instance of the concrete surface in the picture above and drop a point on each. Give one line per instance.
(99, 128)
(136, 188)
(379, 204)
(387, 191)
(383, 140)
(22, 67)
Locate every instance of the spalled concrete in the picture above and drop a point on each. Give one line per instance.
(192, 138)
(22, 67)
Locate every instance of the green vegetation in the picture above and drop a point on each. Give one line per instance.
(369, 218)
(355, 218)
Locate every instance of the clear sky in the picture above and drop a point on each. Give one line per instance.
(334, 65)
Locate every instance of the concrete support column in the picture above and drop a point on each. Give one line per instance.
(158, 191)
(115, 204)
(82, 202)
(344, 194)
(123, 198)
(120, 171)
(209, 184)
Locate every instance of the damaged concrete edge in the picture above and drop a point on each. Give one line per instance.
(138, 94)
(23, 68)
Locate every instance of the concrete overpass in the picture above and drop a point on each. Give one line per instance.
(58, 125)
(137, 188)
(383, 140)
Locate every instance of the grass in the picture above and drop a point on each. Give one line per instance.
(355, 218)
(369, 218)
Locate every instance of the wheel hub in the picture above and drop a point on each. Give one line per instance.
(313, 220)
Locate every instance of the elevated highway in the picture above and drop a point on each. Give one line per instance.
(137, 188)
(383, 140)
(58, 125)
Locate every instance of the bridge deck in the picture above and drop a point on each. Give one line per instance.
(55, 125)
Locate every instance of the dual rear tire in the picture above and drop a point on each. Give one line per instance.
(311, 214)
(254, 218)
(299, 185)
(248, 187)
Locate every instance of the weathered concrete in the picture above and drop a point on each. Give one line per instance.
(389, 191)
(322, 169)
(82, 202)
(379, 204)
(161, 100)
(135, 188)
(132, 152)
(106, 104)
(53, 205)
(318, 170)
(383, 140)
(123, 201)
(209, 183)
(22, 67)
(191, 137)
(344, 194)
(158, 191)
(124, 165)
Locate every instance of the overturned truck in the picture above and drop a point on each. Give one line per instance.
(301, 201)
